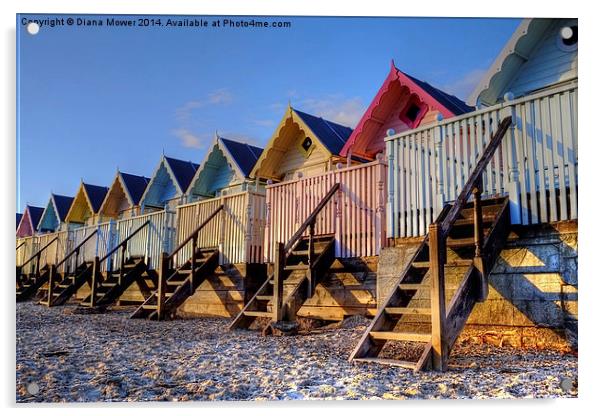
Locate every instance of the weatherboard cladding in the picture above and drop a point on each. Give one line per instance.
(245, 155)
(135, 184)
(96, 194)
(332, 135)
(183, 171)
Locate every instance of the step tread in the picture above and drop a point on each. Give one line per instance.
(413, 286)
(387, 361)
(400, 336)
(297, 267)
(454, 263)
(257, 313)
(407, 311)
(264, 297)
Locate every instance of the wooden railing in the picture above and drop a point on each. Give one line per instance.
(535, 164)
(63, 264)
(35, 265)
(437, 236)
(168, 261)
(354, 215)
(238, 232)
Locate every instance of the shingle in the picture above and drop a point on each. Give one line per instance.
(183, 171)
(96, 194)
(331, 134)
(245, 155)
(135, 184)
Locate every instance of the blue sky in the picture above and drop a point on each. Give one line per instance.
(91, 99)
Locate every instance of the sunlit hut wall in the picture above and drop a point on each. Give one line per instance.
(223, 178)
(84, 210)
(534, 283)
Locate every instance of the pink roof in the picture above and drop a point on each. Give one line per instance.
(386, 107)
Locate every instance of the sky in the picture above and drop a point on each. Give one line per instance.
(94, 99)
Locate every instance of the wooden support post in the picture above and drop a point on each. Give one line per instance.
(122, 263)
(193, 262)
(51, 278)
(437, 255)
(162, 284)
(278, 311)
(478, 240)
(37, 269)
(93, 283)
(310, 261)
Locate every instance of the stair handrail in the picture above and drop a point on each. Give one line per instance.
(76, 249)
(123, 243)
(20, 245)
(193, 234)
(475, 178)
(311, 219)
(38, 253)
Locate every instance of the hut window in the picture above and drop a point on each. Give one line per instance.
(567, 38)
(412, 112)
(306, 145)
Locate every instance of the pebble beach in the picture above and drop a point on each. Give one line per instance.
(62, 356)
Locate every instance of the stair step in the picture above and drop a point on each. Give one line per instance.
(387, 361)
(264, 297)
(487, 219)
(258, 314)
(413, 286)
(400, 336)
(460, 242)
(109, 284)
(297, 267)
(173, 282)
(149, 307)
(454, 263)
(407, 311)
(300, 253)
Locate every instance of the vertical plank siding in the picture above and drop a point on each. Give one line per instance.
(354, 215)
(237, 230)
(536, 165)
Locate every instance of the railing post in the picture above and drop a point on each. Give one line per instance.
(278, 311)
(193, 263)
(310, 260)
(95, 272)
(162, 284)
(51, 278)
(381, 209)
(478, 238)
(512, 161)
(37, 266)
(122, 262)
(338, 222)
(437, 255)
(440, 165)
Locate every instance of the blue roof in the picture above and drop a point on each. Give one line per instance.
(135, 184)
(244, 154)
(332, 135)
(451, 102)
(183, 171)
(35, 213)
(62, 204)
(19, 216)
(96, 194)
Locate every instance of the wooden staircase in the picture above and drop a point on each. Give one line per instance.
(417, 325)
(175, 285)
(299, 266)
(107, 291)
(28, 285)
(67, 284)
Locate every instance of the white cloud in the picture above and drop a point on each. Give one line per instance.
(220, 96)
(189, 139)
(465, 85)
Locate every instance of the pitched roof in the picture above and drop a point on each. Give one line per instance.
(19, 216)
(35, 213)
(245, 155)
(96, 194)
(451, 102)
(135, 184)
(62, 204)
(183, 171)
(386, 101)
(331, 134)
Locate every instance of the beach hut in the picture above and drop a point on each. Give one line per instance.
(19, 216)
(28, 225)
(55, 214)
(462, 185)
(84, 209)
(230, 209)
(168, 185)
(123, 198)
